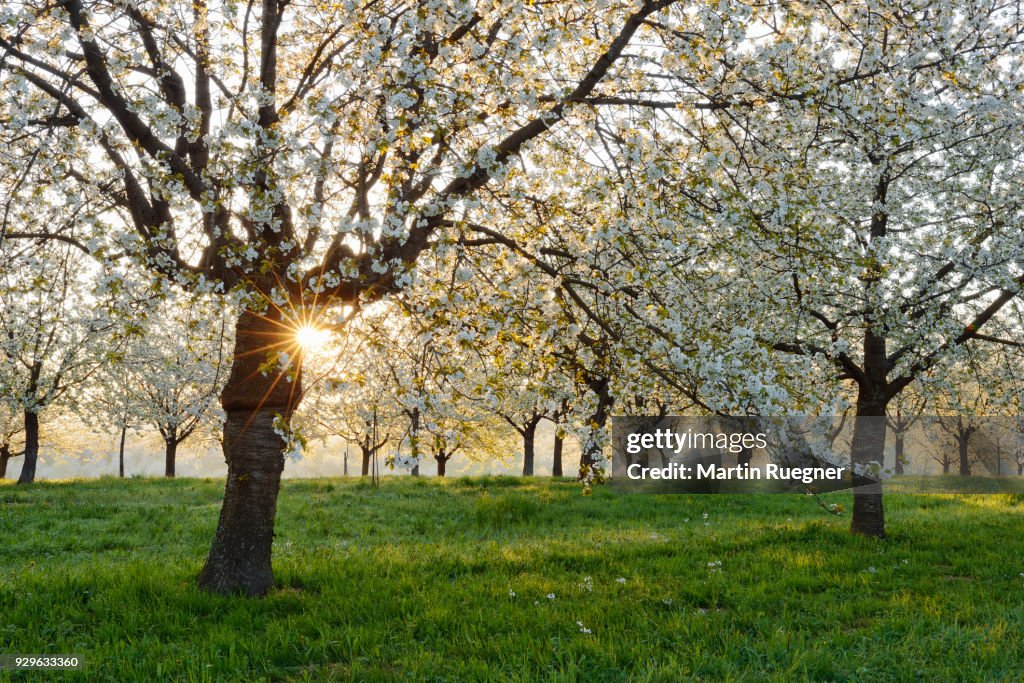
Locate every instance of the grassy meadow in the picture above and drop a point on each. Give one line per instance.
(513, 579)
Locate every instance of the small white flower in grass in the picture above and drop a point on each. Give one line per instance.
(588, 584)
(686, 519)
(536, 603)
(705, 516)
(583, 629)
(551, 596)
(872, 570)
(715, 566)
(621, 579)
(511, 594)
(667, 601)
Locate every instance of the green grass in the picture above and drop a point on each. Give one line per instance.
(412, 581)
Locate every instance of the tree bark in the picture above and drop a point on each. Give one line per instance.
(441, 464)
(28, 467)
(120, 453)
(253, 399)
(556, 458)
(170, 455)
(529, 447)
(5, 455)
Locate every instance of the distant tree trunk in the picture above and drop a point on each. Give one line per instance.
(120, 452)
(556, 459)
(170, 454)
(5, 455)
(945, 464)
(900, 448)
(529, 446)
(239, 559)
(28, 467)
(414, 441)
(1020, 469)
(367, 454)
(442, 462)
(962, 447)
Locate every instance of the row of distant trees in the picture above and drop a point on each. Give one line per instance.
(397, 385)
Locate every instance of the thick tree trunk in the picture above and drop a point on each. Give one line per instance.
(28, 467)
(415, 470)
(900, 449)
(5, 455)
(170, 455)
(367, 454)
(239, 559)
(442, 462)
(120, 453)
(556, 458)
(529, 447)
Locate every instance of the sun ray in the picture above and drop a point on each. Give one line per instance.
(310, 337)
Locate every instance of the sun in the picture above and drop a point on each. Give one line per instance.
(311, 338)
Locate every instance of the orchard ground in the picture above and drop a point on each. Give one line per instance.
(518, 579)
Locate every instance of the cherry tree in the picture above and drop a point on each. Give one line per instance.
(801, 198)
(49, 336)
(902, 413)
(178, 369)
(111, 401)
(444, 383)
(840, 183)
(300, 158)
(351, 393)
